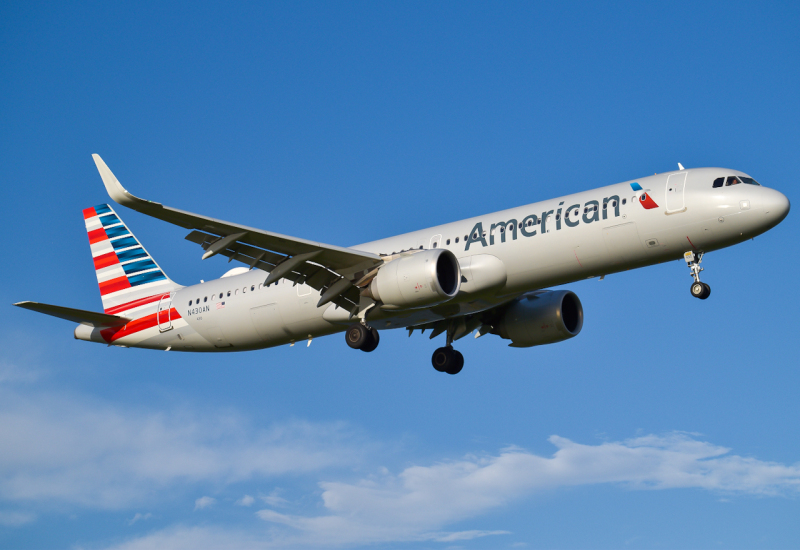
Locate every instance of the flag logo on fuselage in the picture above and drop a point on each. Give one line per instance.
(644, 199)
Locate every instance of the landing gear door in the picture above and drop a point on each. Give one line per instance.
(676, 185)
(163, 315)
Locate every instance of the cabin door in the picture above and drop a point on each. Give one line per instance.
(163, 316)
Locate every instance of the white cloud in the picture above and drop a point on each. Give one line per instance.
(15, 519)
(193, 538)
(139, 517)
(274, 500)
(246, 500)
(79, 450)
(204, 502)
(418, 502)
(76, 449)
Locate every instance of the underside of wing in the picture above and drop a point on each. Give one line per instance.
(335, 271)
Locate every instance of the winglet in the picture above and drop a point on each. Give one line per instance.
(114, 188)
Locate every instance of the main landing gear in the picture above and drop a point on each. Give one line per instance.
(361, 337)
(448, 360)
(698, 289)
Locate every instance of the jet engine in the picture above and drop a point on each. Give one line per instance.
(540, 318)
(421, 279)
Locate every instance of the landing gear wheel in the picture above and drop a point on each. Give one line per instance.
(707, 292)
(447, 360)
(698, 290)
(357, 336)
(442, 358)
(458, 364)
(373, 341)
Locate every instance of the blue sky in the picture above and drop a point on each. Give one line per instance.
(669, 422)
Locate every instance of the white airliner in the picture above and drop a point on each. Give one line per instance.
(482, 275)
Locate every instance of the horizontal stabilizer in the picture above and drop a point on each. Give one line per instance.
(89, 318)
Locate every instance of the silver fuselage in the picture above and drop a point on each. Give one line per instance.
(237, 313)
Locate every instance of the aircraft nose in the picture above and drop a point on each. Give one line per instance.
(776, 206)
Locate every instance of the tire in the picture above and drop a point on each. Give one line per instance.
(458, 363)
(442, 359)
(373, 340)
(706, 292)
(357, 336)
(698, 290)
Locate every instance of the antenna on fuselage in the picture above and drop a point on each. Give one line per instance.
(680, 166)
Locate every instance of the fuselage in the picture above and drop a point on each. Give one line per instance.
(502, 255)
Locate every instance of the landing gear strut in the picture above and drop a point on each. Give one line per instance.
(361, 337)
(447, 359)
(698, 289)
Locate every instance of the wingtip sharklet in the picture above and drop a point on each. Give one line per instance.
(114, 188)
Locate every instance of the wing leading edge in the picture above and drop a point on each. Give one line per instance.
(335, 271)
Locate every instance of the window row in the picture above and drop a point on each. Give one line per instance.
(230, 293)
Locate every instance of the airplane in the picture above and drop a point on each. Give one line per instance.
(482, 275)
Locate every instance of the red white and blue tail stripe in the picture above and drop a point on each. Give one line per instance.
(128, 276)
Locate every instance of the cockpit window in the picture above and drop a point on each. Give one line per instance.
(732, 180)
(749, 181)
(719, 182)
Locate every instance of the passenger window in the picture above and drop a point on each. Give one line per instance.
(435, 244)
(252, 288)
(190, 302)
(731, 181)
(448, 241)
(558, 216)
(197, 301)
(624, 201)
(456, 239)
(229, 294)
(205, 299)
(718, 182)
(614, 204)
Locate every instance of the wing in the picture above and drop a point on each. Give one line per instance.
(335, 271)
(89, 318)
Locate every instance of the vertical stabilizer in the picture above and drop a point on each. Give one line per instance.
(129, 278)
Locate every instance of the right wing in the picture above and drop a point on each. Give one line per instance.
(89, 318)
(336, 272)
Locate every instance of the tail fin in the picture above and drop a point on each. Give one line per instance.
(128, 276)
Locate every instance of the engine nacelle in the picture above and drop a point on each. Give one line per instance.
(541, 318)
(421, 279)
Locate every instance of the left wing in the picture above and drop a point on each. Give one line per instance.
(337, 272)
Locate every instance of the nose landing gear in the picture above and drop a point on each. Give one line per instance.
(698, 289)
